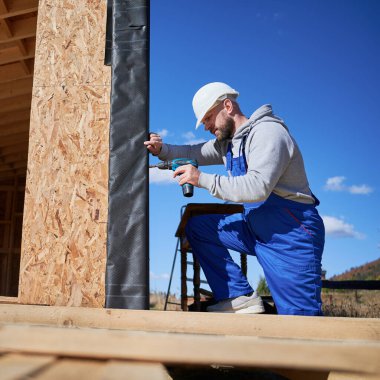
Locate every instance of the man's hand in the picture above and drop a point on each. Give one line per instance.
(188, 174)
(154, 144)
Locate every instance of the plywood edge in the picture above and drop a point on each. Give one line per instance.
(276, 326)
(9, 300)
(174, 348)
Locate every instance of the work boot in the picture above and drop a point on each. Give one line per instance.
(247, 304)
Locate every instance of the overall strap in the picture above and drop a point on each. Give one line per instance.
(229, 158)
(242, 146)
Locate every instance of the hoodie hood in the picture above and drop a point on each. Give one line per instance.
(262, 114)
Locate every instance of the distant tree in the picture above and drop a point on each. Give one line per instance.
(262, 287)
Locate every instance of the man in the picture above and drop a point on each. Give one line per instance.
(280, 224)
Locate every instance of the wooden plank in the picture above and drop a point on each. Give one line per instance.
(118, 370)
(274, 326)
(17, 366)
(169, 348)
(75, 369)
(8, 300)
(193, 209)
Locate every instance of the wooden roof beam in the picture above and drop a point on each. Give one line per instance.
(16, 103)
(22, 53)
(7, 118)
(20, 29)
(17, 7)
(17, 87)
(13, 173)
(5, 167)
(14, 139)
(6, 28)
(13, 128)
(3, 8)
(15, 149)
(18, 157)
(13, 71)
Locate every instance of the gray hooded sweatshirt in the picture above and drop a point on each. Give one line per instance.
(275, 163)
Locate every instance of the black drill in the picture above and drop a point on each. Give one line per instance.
(187, 188)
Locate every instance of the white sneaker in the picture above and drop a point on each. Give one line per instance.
(248, 304)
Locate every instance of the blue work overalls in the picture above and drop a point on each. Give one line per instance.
(287, 237)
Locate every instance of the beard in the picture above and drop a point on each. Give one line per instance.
(226, 130)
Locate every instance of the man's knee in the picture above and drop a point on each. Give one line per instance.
(192, 227)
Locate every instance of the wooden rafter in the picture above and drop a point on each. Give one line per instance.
(16, 103)
(3, 8)
(7, 118)
(12, 128)
(19, 52)
(17, 87)
(17, 7)
(20, 29)
(18, 22)
(5, 27)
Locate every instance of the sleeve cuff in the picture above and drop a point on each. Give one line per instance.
(164, 152)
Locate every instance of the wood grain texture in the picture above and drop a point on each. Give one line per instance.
(64, 228)
(270, 326)
(169, 348)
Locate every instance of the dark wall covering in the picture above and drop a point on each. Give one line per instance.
(127, 50)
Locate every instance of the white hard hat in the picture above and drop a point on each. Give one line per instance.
(207, 96)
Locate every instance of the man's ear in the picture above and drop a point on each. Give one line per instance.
(228, 105)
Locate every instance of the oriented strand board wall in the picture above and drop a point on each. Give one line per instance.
(65, 215)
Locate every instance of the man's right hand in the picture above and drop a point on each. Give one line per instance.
(154, 144)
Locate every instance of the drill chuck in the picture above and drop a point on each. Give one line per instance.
(187, 188)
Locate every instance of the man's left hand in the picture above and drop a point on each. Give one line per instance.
(189, 174)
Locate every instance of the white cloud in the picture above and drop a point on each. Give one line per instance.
(163, 132)
(362, 189)
(339, 228)
(189, 135)
(337, 184)
(163, 177)
(161, 276)
(190, 139)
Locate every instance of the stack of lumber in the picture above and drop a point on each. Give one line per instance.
(47, 342)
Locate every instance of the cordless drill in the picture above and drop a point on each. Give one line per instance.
(187, 188)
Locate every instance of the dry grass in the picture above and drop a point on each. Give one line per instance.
(351, 303)
(157, 301)
(336, 303)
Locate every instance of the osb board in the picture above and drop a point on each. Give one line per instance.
(71, 43)
(65, 213)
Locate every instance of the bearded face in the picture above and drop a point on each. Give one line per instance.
(225, 130)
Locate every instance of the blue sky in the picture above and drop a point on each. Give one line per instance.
(317, 62)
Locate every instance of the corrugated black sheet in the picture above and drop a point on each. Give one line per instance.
(127, 49)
